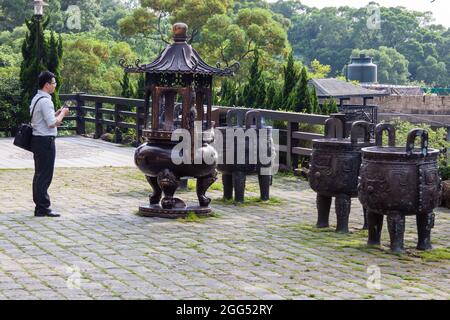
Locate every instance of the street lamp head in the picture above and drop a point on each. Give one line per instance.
(39, 7)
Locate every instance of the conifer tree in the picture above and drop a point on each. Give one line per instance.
(38, 54)
(291, 77)
(33, 63)
(271, 96)
(314, 101)
(140, 89)
(127, 87)
(54, 57)
(303, 96)
(252, 88)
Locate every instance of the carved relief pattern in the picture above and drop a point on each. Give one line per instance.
(333, 173)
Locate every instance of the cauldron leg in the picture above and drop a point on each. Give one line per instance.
(203, 183)
(425, 222)
(323, 207)
(375, 222)
(264, 186)
(227, 180)
(155, 197)
(342, 203)
(239, 186)
(169, 183)
(365, 226)
(396, 227)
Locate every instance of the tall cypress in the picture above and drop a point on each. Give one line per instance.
(252, 88)
(303, 98)
(34, 53)
(271, 96)
(290, 79)
(38, 54)
(127, 87)
(314, 101)
(54, 57)
(140, 89)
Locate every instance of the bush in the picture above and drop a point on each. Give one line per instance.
(11, 115)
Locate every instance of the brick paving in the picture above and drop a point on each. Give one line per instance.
(100, 248)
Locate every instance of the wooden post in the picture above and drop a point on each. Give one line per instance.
(117, 119)
(98, 120)
(291, 159)
(81, 127)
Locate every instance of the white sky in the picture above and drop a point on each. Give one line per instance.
(440, 8)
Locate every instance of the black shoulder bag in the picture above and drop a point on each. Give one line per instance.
(23, 136)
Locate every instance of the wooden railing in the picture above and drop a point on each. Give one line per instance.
(91, 108)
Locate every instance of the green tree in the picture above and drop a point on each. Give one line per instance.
(291, 76)
(34, 53)
(231, 39)
(300, 98)
(127, 87)
(254, 90)
(273, 96)
(433, 72)
(314, 101)
(55, 54)
(140, 89)
(11, 113)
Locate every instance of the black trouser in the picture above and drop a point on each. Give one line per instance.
(43, 148)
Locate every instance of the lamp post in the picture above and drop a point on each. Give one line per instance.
(38, 13)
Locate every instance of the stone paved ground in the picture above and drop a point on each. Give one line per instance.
(100, 248)
(72, 151)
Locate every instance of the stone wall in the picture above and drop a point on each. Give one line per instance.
(409, 104)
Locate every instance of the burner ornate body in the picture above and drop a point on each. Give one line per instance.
(399, 181)
(334, 170)
(178, 74)
(247, 162)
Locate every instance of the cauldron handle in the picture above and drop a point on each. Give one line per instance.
(249, 116)
(412, 135)
(238, 114)
(380, 128)
(360, 124)
(334, 128)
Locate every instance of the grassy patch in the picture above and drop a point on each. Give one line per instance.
(310, 228)
(191, 217)
(251, 201)
(409, 278)
(439, 254)
(136, 175)
(354, 239)
(192, 185)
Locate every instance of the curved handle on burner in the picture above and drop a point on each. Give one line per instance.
(253, 115)
(239, 117)
(412, 135)
(366, 126)
(334, 128)
(379, 129)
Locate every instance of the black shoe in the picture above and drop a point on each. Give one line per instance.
(46, 214)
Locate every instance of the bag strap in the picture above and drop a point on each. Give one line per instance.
(32, 112)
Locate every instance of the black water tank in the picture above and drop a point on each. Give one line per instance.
(362, 69)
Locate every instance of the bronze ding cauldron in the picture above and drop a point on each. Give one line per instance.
(334, 170)
(399, 181)
(245, 154)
